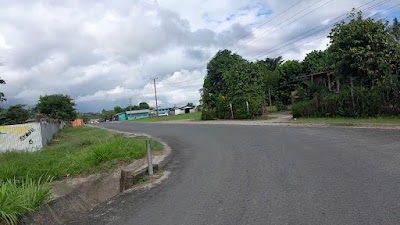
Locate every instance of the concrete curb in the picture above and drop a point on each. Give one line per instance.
(97, 189)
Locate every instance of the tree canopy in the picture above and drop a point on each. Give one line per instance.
(232, 81)
(118, 109)
(271, 63)
(364, 58)
(357, 75)
(361, 48)
(144, 105)
(15, 114)
(57, 107)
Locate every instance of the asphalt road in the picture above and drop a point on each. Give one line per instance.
(229, 174)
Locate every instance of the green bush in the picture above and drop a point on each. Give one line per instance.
(240, 108)
(207, 115)
(367, 103)
(222, 108)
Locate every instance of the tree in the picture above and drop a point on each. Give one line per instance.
(118, 109)
(287, 71)
(244, 86)
(271, 81)
(16, 114)
(190, 104)
(2, 97)
(271, 63)
(214, 85)
(315, 62)
(57, 107)
(144, 105)
(106, 114)
(395, 29)
(360, 50)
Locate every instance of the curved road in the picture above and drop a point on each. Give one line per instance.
(229, 174)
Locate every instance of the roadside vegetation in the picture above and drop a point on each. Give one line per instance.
(346, 121)
(357, 76)
(189, 116)
(363, 60)
(18, 197)
(25, 176)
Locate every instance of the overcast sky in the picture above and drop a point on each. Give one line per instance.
(102, 53)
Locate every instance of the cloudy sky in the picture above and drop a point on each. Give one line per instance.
(102, 53)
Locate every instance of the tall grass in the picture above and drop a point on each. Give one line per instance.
(74, 151)
(18, 197)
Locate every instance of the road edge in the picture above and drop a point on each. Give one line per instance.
(95, 192)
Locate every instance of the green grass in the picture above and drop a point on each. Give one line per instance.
(189, 116)
(18, 197)
(74, 151)
(352, 121)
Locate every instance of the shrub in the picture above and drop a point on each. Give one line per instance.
(18, 197)
(207, 115)
(367, 103)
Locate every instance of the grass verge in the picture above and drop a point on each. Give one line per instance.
(74, 151)
(189, 116)
(18, 197)
(385, 121)
(25, 176)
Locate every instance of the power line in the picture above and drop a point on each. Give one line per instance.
(371, 7)
(285, 21)
(268, 21)
(280, 53)
(281, 13)
(282, 22)
(328, 27)
(298, 37)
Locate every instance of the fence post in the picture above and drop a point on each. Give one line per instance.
(149, 157)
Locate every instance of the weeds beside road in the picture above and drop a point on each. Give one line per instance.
(25, 176)
(375, 121)
(189, 116)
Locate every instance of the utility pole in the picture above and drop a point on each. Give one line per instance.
(130, 104)
(155, 93)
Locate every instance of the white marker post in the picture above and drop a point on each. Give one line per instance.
(149, 157)
(230, 105)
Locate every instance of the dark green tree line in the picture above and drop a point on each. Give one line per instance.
(364, 58)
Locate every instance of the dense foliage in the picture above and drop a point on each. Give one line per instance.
(14, 115)
(233, 87)
(57, 107)
(364, 57)
(245, 86)
(357, 75)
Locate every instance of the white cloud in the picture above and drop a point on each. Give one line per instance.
(102, 53)
(107, 95)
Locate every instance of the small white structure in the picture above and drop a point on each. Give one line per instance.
(27, 137)
(188, 109)
(179, 111)
(183, 110)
